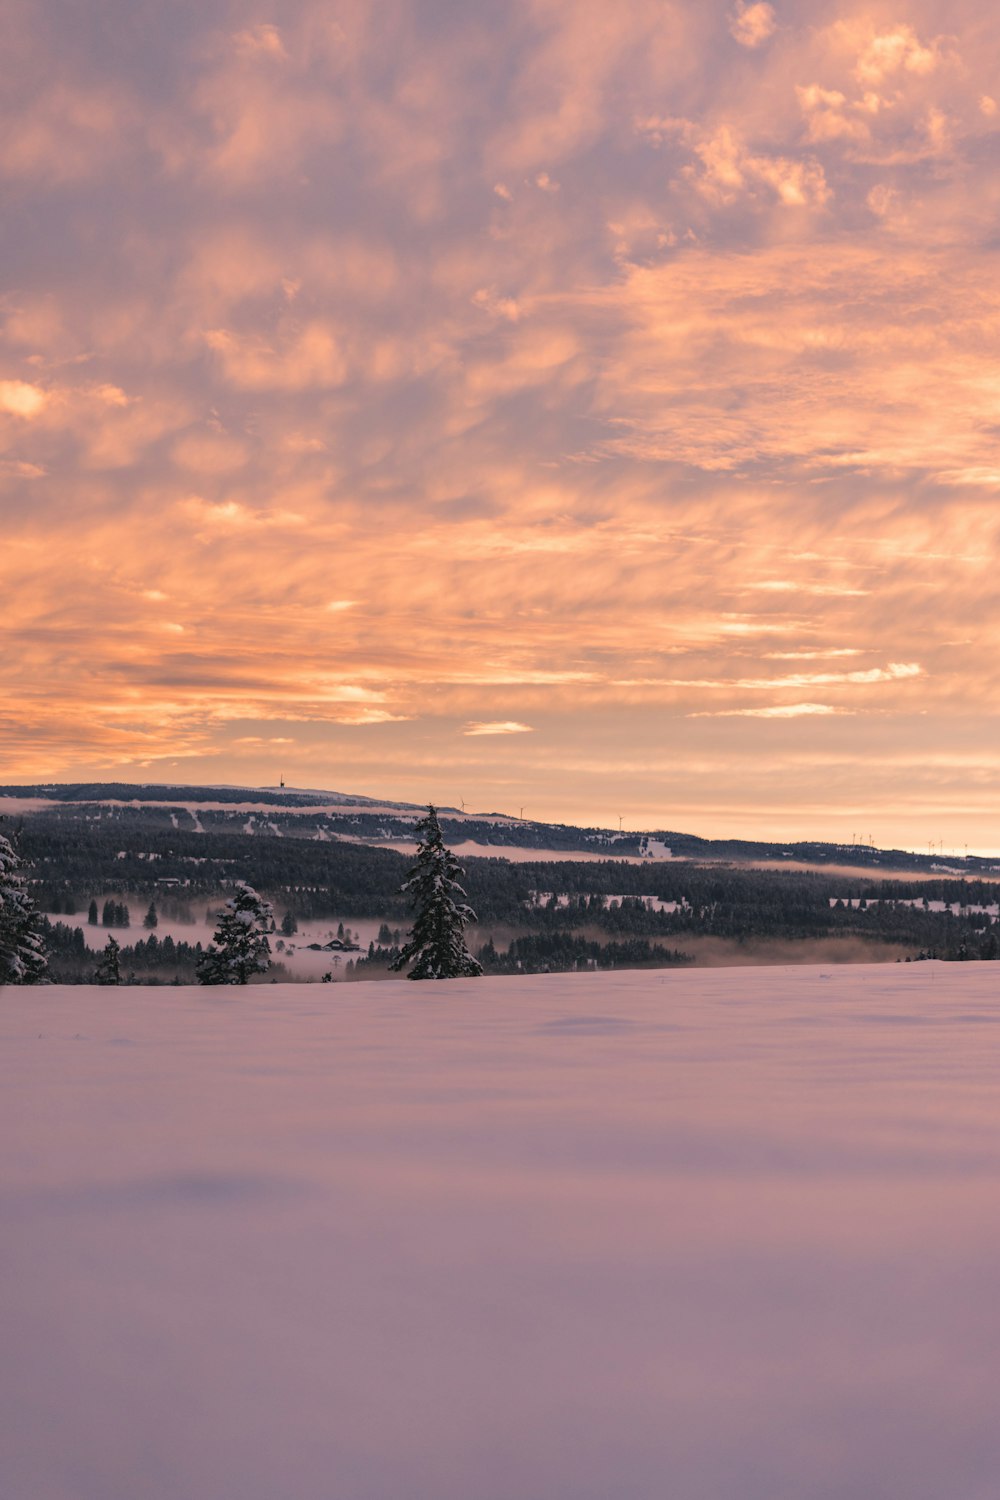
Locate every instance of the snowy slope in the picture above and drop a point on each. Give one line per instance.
(710, 1235)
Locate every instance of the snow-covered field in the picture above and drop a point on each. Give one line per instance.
(709, 1235)
(523, 854)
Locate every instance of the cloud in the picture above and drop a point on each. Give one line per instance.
(894, 672)
(822, 655)
(21, 399)
(496, 305)
(21, 469)
(890, 52)
(712, 426)
(806, 586)
(209, 453)
(67, 132)
(781, 711)
(505, 726)
(304, 358)
(831, 116)
(752, 25)
(728, 169)
(263, 40)
(216, 517)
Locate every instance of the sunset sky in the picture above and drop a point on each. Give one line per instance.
(589, 407)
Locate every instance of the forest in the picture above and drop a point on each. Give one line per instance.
(531, 915)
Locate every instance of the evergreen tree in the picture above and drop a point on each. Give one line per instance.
(22, 946)
(240, 947)
(92, 913)
(108, 971)
(108, 913)
(436, 945)
(289, 925)
(151, 918)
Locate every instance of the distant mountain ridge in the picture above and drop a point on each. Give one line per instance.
(328, 815)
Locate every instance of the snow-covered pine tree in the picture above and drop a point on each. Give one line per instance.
(109, 970)
(22, 947)
(436, 945)
(240, 947)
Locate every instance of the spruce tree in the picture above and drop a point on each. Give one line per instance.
(240, 947)
(108, 971)
(22, 946)
(436, 945)
(151, 919)
(92, 913)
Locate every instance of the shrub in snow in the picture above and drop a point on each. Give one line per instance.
(22, 949)
(436, 945)
(240, 947)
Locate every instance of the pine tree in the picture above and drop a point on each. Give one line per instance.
(151, 919)
(240, 947)
(108, 971)
(92, 913)
(436, 945)
(22, 946)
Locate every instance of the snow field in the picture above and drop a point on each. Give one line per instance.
(696, 1235)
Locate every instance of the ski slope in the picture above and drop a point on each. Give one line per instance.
(699, 1235)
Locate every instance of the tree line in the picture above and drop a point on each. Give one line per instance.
(602, 916)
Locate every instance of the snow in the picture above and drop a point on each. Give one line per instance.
(519, 854)
(705, 1235)
(563, 899)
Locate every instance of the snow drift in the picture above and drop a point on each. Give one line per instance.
(705, 1235)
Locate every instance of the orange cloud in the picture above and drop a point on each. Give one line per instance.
(423, 394)
(752, 25)
(21, 399)
(502, 726)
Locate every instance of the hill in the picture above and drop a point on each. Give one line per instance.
(290, 812)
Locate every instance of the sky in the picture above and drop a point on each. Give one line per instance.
(589, 409)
